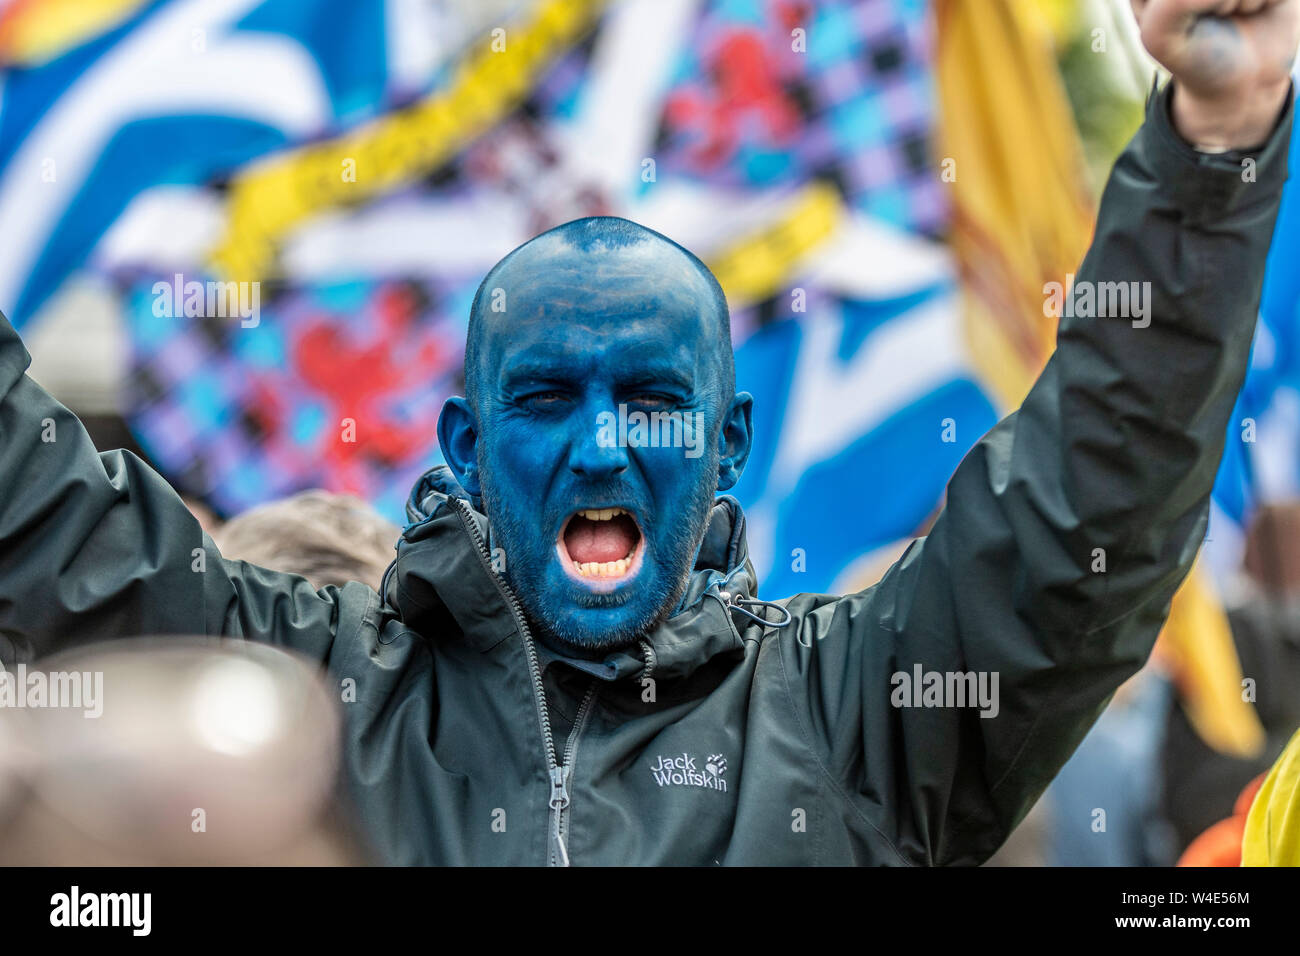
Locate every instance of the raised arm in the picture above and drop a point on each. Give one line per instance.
(96, 546)
(1067, 529)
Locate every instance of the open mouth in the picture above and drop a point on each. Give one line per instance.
(601, 547)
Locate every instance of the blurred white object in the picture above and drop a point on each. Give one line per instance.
(206, 751)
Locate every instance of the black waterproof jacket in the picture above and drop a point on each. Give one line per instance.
(721, 738)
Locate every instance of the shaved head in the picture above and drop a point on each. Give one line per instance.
(636, 265)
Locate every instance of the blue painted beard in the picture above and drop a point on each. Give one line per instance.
(569, 614)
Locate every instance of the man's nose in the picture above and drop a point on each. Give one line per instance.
(598, 452)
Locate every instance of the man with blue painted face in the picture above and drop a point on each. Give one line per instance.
(567, 661)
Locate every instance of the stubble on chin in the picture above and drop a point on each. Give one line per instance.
(560, 631)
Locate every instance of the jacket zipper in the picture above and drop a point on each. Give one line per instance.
(560, 783)
(558, 772)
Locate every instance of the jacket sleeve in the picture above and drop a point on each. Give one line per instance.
(96, 546)
(1066, 531)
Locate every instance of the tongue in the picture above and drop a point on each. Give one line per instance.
(599, 541)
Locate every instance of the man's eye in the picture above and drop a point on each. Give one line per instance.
(651, 400)
(545, 399)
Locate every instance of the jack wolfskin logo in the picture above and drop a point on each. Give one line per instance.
(681, 770)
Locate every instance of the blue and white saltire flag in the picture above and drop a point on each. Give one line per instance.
(181, 93)
(864, 406)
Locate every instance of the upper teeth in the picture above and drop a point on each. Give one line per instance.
(601, 514)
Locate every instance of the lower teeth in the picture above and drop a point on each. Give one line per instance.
(603, 569)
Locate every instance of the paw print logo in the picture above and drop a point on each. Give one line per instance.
(716, 765)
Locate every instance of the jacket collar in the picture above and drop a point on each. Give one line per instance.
(442, 585)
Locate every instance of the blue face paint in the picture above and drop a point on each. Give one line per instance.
(600, 394)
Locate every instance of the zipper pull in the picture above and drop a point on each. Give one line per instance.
(559, 800)
(559, 842)
(559, 787)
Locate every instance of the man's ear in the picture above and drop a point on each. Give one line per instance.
(458, 438)
(735, 439)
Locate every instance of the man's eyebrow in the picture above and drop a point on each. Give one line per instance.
(559, 370)
(657, 373)
(540, 370)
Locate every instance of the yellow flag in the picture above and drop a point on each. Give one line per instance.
(1272, 835)
(1023, 217)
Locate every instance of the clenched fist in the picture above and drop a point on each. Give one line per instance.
(1231, 61)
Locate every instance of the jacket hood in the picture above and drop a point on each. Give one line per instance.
(442, 585)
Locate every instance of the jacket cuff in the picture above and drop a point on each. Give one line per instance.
(1207, 185)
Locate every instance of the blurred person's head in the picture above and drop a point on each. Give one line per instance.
(600, 420)
(1272, 558)
(327, 538)
(196, 751)
(206, 517)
